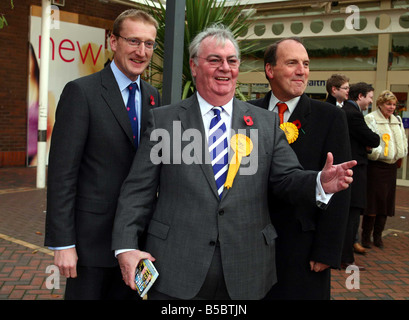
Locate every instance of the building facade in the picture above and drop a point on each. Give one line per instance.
(364, 39)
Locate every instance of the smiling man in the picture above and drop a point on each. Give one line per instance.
(209, 240)
(309, 239)
(94, 140)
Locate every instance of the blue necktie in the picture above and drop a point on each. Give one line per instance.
(218, 149)
(130, 107)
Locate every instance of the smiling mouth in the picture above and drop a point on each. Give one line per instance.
(222, 79)
(137, 61)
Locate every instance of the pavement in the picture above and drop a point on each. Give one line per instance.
(26, 266)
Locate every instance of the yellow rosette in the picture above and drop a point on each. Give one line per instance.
(290, 130)
(242, 147)
(386, 137)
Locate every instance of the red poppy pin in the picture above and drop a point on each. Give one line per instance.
(152, 101)
(248, 120)
(298, 125)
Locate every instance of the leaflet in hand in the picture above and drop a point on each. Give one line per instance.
(146, 275)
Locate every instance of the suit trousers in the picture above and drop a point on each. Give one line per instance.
(213, 288)
(97, 283)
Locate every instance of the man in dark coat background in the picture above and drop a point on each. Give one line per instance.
(309, 241)
(362, 141)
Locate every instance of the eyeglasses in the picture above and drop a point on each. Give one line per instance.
(345, 88)
(216, 61)
(135, 42)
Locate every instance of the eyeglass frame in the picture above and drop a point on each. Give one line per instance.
(154, 46)
(221, 61)
(344, 88)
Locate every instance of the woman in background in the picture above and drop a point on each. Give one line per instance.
(382, 167)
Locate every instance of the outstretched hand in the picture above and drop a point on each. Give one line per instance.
(335, 178)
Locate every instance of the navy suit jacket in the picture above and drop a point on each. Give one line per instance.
(91, 152)
(360, 137)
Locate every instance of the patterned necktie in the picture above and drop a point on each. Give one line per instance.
(282, 107)
(130, 107)
(218, 149)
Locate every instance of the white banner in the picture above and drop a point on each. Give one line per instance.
(75, 51)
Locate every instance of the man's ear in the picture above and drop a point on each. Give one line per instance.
(360, 96)
(113, 41)
(192, 67)
(269, 71)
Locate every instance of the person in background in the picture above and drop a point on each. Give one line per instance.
(98, 123)
(382, 167)
(309, 240)
(362, 141)
(337, 89)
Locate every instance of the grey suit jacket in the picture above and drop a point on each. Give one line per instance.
(91, 152)
(189, 218)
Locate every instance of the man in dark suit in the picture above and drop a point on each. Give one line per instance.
(309, 240)
(362, 141)
(92, 148)
(212, 239)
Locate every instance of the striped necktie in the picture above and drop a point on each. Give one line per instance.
(131, 108)
(218, 149)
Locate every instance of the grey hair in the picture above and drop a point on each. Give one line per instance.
(217, 31)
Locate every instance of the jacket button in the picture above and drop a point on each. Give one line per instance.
(212, 243)
(221, 212)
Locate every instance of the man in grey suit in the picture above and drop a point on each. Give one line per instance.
(92, 148)
(209, 242)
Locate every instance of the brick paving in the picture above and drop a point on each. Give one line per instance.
(24, 260)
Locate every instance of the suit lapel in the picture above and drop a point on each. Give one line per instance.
(301, 112)
(146, 104)
(191, 118)
(112, 95)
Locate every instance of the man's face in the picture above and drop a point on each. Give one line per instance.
(132, 61)
(341, 93)
(364, 102)
(216, 83)
(289, 77)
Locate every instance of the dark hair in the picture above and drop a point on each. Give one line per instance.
(270, 55)
(359, 88)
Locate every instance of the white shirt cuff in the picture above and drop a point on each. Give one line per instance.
(321, 197)
(119, 251)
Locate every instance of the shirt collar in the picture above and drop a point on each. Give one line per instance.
(206, 107)
(122, 80)
(291, 104)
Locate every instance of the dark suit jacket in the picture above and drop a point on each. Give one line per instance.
(331, 99)
(306, 234)
(190, 219)
(90, 156)
(360, 137)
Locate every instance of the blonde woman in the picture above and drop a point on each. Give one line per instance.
(382, 167)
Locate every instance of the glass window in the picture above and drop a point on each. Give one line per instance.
(400, 52)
